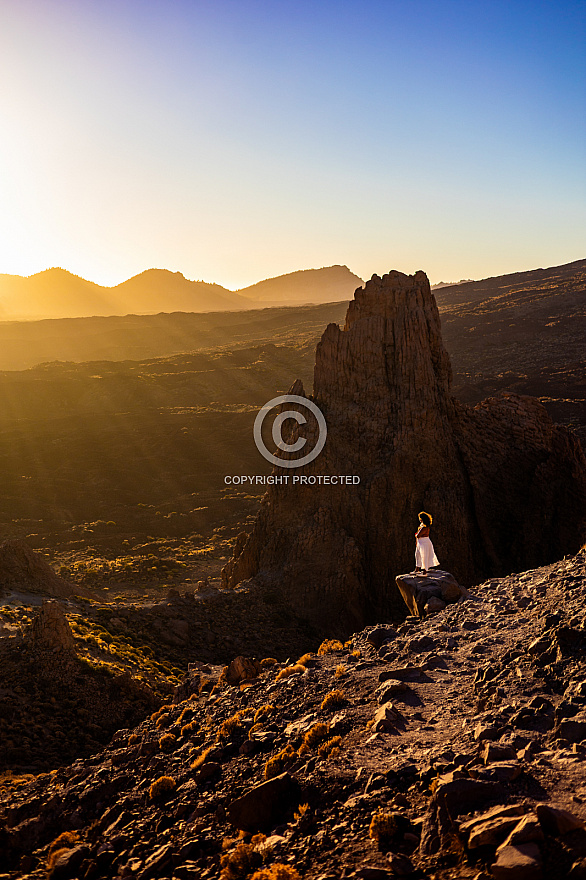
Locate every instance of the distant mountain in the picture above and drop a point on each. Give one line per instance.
(333, 284)
(56, 293)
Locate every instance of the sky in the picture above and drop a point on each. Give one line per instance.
(235, 140)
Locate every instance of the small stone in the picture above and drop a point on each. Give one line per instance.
(385, 718)
(400, 865)
(434, 604)
(379, 635)
(389, 688)
(485, 731)
(528, 830)
(521, 862)
(492, 831)
(555, 821)
(492, 752)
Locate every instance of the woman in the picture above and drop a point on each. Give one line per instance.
(425, 557)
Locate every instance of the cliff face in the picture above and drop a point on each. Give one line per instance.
(506, 487)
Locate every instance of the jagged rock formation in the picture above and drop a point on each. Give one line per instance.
(50, 630)
(23, 569)
(506, 486)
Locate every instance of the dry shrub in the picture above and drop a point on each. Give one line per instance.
(201, 759)
(263, 712)
(189, 728)
(133, 739)
(340, 671)
(357, 654)
(166, 708)
(300, 812)
(163, 720)
(314, 736)
(334, 700)
(279, 762)
(186, 715)
(383, 826)
(330, 748)
(230, 726)
(304, 660)
(329, 646)
(238, 864)
(254, 729)
(278, 871)
(167, 742)
(66, 841)
(290, 670)
(162, 785)
(267, 662)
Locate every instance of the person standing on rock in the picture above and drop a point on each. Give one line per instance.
(425, 557)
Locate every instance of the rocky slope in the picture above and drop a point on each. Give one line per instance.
(449, 747)
(507, 487)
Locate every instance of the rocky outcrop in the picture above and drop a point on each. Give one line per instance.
(23, 569)
(507, 488)
(50, 630)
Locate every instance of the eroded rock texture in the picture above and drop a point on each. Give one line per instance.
(506, 487)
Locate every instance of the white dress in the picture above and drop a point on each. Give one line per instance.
(425, 554)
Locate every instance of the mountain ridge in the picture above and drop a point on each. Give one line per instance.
(58, 293)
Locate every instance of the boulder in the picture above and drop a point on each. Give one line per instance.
(386, 718)
(242, 669)
(521, 862)
(555, 821)
(263, 806)
(449, 800)
(418, 591)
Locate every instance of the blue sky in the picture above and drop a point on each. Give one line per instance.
(234, 141)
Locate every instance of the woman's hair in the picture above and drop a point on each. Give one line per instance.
(425, 518)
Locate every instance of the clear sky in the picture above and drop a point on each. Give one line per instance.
(234, 140)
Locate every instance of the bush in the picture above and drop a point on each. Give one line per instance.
(341, 671)
(163, 720)
(304, 660)
(278, 763)
(230, 726)
(267, 662)
(201, 759)
(278, 871)
(383, 826)
(263, 712)
(315, 735)
(334, 700)
(329, 646)
(189, 728)
(162, 786)
(290, 670)
(330, 748)
(61, 844)
(238, 864)
(167, 742)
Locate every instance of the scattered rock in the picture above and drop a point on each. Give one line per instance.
(242, 669)
(521, 862)
(262, 806)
